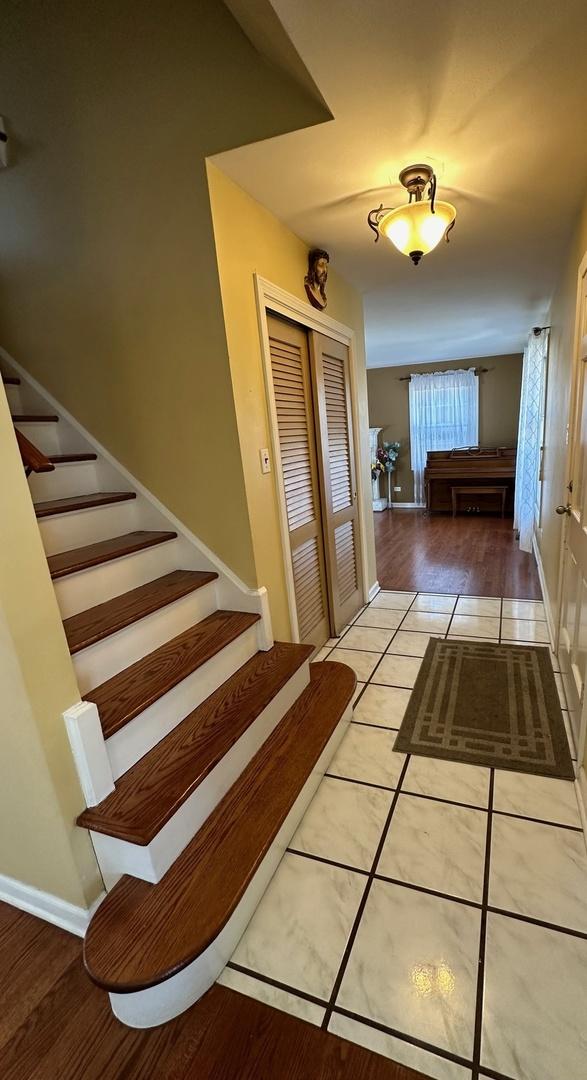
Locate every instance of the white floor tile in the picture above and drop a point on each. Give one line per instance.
(401, 600)
(344, 823)
(382, 705)
(387, 618)
(322, 654)
(536, 797)
(523, 609)
(434, 602)
(272, 995)
(448, 780)
(436, 845)
(367, 753)
(409, 643)
(398, 670)
(298, 933)
(366, 637)
(413, 1057)
(413, 966)
(524, 630)
(534, 1005)
(474, 626)
(478, 605)
(362, 663)
(358, 688)
(429, 622)
(539, 871)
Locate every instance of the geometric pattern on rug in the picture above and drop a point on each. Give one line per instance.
(487, 704)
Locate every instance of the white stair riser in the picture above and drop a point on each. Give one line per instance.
(76, 592)
(44, 436)
(106, 658)
(61, 532)
(158, 1004)
(151, 861)
(72, 478)
(137, 737)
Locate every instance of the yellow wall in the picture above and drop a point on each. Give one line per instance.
(499, 407)
(250, 240)
(39, 793)
(110, 293)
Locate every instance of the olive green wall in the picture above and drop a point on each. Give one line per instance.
(110, 293)
(499, 406)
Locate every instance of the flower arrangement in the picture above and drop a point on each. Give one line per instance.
(387, 456)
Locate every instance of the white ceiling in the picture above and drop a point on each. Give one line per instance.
(493, 96)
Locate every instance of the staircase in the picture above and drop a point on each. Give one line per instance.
(199, 741)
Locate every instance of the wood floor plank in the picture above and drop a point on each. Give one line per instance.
(476, 555)
(126, 694)
(51, 507)
(68, 1032)
(143, 933)
(152, 790)
(81, 558)
(97, 623)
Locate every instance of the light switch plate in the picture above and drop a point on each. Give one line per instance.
(397, 489)
(265, 460)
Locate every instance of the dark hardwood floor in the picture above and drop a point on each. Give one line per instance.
(477, 556)
(56, 1025)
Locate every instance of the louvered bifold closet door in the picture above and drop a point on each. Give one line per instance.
(292, 393)
(332, 399)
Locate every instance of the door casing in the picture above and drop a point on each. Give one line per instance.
(283, 303)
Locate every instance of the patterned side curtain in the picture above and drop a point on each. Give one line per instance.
(530, 436)
(444, 414)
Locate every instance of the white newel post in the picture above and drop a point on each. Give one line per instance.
(378, 502)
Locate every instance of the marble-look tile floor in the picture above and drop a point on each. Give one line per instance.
(435, 913)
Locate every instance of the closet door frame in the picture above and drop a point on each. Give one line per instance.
(277, 300)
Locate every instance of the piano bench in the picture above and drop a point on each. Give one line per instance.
(480, 490)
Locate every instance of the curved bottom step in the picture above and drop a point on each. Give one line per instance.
(158, 948)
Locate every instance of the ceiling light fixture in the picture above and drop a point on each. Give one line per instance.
(419, 225)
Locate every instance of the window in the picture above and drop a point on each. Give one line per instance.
(444, 414)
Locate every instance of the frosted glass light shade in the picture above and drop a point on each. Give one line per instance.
(414, 229)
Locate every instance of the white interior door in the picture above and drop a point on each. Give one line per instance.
(573, 619)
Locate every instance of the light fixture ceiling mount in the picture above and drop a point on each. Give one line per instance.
(420, 224)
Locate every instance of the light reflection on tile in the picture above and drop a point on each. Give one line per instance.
(524, 609)
(473, 626)
(478, 605)
(434, 602)
(413, 966)
(524, 630)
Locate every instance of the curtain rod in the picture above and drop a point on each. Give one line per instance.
(477, 370)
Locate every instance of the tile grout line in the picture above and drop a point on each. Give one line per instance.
(483, 936)
(363, 902)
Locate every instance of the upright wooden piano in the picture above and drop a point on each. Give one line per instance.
(474, 466)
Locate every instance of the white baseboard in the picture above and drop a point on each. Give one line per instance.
(408, 506)
(545, 596)
(46, 906)
(375, 588)
(581, 791)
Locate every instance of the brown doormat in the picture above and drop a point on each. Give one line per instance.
(487, 704)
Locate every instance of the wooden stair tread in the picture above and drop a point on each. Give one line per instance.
(99, 622)
(10, 380)
(34, 418)
(64, 459)
(81, 502)
(82, 558)
(148, 795)
(126, 694)
(142, 933)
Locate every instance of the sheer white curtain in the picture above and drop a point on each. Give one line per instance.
(444, 414)
(530, 437)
